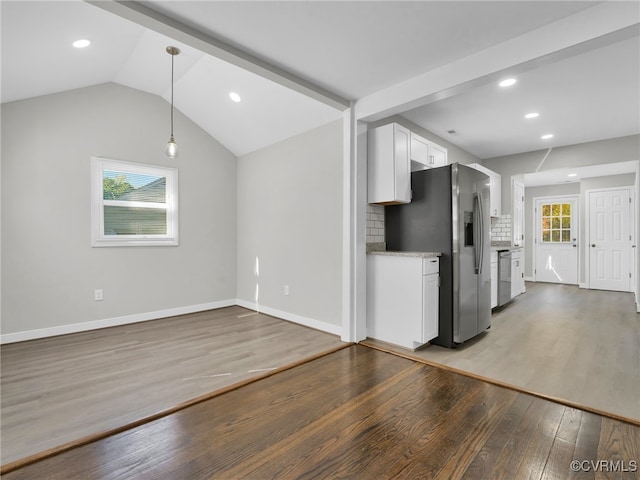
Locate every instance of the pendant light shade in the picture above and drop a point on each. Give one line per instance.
(172, 148)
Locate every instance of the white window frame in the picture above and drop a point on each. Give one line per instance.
(98, 238)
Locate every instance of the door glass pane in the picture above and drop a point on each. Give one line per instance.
(556, 222)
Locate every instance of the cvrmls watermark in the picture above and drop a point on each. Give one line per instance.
(604, 466)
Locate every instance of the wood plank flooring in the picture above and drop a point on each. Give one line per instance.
(578, 345)
(359, 413)
(55, 391)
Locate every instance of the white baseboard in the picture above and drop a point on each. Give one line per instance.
(583, 285)
(529, 279)
(172, 312)
(110, 322)
(292, 317)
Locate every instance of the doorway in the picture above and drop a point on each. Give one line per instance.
(556, 239)
(610, 236)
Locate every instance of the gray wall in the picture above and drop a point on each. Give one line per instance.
(49, 270)
(290, 219)
(612, 150)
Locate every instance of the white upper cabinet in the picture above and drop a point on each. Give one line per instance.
(393, 153)
(495, 187)
(389, 172)
(517, 213)
(419, 152)
(438, 155)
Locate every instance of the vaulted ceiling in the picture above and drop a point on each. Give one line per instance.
(297, 65)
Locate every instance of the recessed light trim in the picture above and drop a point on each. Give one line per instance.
(507, 82)
(82, 43)
(532, 115)
(235, 97)
(547, 136)
(572, 175)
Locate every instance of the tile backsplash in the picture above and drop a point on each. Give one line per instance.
(501, 228)
(375, 223)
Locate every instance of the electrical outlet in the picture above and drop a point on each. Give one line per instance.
(98, 295)
(286, 289)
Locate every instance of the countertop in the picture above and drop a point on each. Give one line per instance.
(407, 254)
(497, 248)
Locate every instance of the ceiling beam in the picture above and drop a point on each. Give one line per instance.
(148, 18)
(595, 27)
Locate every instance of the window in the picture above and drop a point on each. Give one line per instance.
(556, 222)
(133, 204)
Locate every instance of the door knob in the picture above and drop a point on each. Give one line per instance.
(593, 244)
(574, 245)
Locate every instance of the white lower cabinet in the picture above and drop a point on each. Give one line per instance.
(494, 279)
(403, 299)
(517, 272)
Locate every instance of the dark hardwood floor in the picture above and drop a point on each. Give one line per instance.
(359, 413)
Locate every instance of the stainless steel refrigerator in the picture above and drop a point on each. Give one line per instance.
(449, 213)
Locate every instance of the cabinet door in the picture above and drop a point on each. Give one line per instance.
(430, 307)
(494, 284)
(438, 156)
(518, 214)
(389, 175)
(419, 152)
(516, 274)
(496, 194)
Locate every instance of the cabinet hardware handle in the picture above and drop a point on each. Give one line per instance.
(593, 244)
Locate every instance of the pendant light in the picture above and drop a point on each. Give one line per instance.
(172, 148)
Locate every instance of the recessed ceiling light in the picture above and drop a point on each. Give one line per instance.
(235, 97)
(81, 43)
(532, 115)
(508, 82)
(572, 175)
(547, 136)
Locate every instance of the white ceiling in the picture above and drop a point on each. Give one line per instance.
(351, 49)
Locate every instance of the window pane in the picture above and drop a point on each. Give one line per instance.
(566, 235)
(555, 235)
(555, 223)
(566, 222)
(546, 235)
(555, 210)
(546, 223)
(134, 221)
(134, 187)
(546, 210)
(566, 209)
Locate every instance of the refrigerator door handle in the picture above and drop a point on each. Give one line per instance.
(477, 232)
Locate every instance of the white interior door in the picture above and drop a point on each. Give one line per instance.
(610, 239)
(556, 245)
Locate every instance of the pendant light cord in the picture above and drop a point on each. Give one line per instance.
(172, 57)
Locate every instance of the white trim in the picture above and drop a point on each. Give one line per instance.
(98, 237)
(111, 322)
(529, 279)
(292, 317)
(583, 285)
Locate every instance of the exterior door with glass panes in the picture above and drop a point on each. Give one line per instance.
(556, 242)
